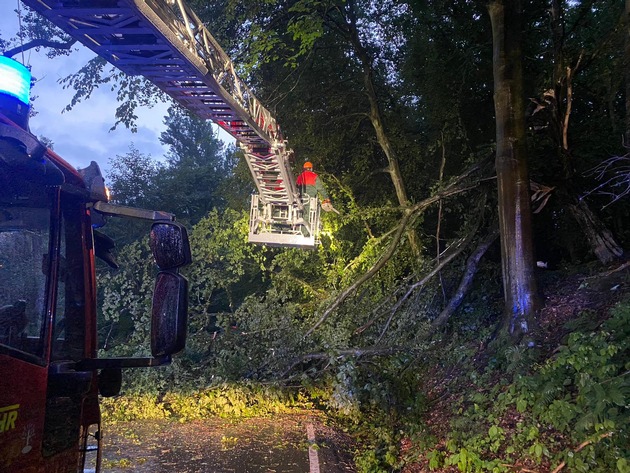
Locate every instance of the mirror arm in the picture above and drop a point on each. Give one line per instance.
(102, 363)
(124, 211)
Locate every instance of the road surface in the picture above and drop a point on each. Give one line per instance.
(281, 444)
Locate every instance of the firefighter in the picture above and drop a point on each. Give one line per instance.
(309, 186)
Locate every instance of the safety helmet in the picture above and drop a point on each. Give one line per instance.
(308, 165)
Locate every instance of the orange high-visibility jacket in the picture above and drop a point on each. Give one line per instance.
(309, 183)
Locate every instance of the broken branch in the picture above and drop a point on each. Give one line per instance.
(39, 43)
(464, 285)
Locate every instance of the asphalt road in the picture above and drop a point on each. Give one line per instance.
(281, 444)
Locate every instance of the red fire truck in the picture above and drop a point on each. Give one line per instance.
(50, 375)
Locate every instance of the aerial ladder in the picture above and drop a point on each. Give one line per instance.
(166, 42)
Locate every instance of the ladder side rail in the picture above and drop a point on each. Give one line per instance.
(240, 90)
(227, 80)
(284, 156)
(219, 65)
(264, 168)
(273, 175)
(206, 56)
(200, 50)
(91, 20)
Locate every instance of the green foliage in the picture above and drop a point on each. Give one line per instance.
(225, 401)
(126, 306)
(199, 172)
(222, 257)
(306, 26)
(131, 177)
(571, 408)
(122, 463)
(139, 407)
(250, 306)
(197, 177)
(379, 403)
(131, 91)
(37, 27)
(584, 389)
(228, 401)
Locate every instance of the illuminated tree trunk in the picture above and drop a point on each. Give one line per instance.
(517, 257)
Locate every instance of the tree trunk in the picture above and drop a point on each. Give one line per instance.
(375, 113)
(467, 278)
(377, 121)
(517, 256)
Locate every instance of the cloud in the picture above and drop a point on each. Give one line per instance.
(84, 133)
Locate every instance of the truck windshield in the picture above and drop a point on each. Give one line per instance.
(24, 243)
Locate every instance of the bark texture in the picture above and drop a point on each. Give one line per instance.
(600, 239)
(375, 113)
(466, 280)
(519, 283)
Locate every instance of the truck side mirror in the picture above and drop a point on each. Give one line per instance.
(169, 244)
(169, 315)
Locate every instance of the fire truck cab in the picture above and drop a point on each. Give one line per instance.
(50, 374)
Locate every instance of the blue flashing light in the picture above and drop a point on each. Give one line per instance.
(15, 79)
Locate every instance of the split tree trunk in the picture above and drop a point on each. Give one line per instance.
(599, 238)
(517, 256)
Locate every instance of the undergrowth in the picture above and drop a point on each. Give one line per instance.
(570, 411)
(518, 410)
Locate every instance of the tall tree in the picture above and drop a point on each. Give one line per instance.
(132, 179)
(517, 257)
(306, 34)
(192, 183)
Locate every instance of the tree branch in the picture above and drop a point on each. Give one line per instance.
(408, 214)
(350, 352)
(581, 447)
(459, 247)
(372, 271)
(567, 112)
(38, 43)
(471, 269)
